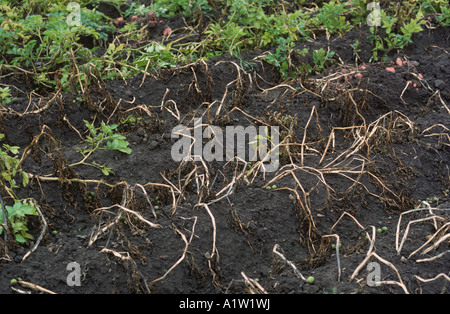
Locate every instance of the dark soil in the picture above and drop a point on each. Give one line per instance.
(200, 248)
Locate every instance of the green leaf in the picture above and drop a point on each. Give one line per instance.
(28, 210)
(120, 145)
(25, 179)
(106, 171)
(14, 150)
(126, 150)
(27, 236)
(20, 238)
(6, 176)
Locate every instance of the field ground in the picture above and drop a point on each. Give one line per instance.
(361, 148)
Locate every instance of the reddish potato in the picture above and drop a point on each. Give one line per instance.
(390, 69)
(118, 21)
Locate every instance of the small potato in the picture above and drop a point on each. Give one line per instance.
(390, 69)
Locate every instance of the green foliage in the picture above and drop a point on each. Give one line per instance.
(320, 56)
(188, 8)
(137, 9)
(280, 58)
(5, 96)
(106, 133)
(261, 140)
(155, 56)
(10, 169)
(331, 17)
(444, 17)
(392, 40)
(359, 11)
(254, 24)
(17, 215)
(39, 39)
(356, 47)
(102, 138)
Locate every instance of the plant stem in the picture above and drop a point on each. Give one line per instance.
(54, 179)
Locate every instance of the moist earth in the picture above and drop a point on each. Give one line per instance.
(358, 153)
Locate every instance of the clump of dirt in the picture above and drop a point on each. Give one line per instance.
(361, 147)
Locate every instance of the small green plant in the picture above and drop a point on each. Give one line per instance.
(356, 47)
(444, 17)
(320, 56)
(305, 68)
(17, 215)
(130, 122)
(333, 246)
(280, 58)
(137, 9)
(261, 140)
(5, 96)
(10, 169)
(382, 45)
(102, 138)
(188, 8)
(156, 56)
(331, 17)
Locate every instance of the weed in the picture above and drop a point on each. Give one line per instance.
(156, 56)
(96, 140)
(255, 24)
(5, 96)
(261, 141)
(356, 47)
(382, 45)
(331, 17)
(43, 42)
(320, 56)
(130, 122)
(188, 8)
(444, 17)
(10, 169)
(137, 9)
(280, 59)
(17, 215)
